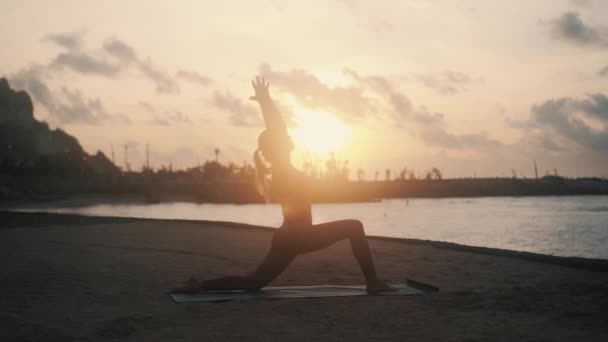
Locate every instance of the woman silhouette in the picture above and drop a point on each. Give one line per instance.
(297, 234)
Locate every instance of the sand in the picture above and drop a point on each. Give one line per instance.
(67, 278)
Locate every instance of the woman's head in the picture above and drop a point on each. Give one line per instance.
(275, 145)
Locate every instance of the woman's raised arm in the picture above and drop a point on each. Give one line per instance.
(272, 117)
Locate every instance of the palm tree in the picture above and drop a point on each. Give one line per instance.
(436, 173)
(360, 174)
(217, 154)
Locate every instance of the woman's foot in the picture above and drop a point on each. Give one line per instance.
(377, 285)
(192, 285)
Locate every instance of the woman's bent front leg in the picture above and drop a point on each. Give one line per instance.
(326, 234)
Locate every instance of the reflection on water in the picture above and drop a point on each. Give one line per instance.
(568, 225)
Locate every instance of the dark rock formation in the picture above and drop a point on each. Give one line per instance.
(29, 146)
(15, 106)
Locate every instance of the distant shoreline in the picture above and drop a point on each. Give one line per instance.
(347, 192)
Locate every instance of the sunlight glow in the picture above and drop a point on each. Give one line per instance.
(319, 132)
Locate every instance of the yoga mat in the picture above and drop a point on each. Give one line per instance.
(408, 288)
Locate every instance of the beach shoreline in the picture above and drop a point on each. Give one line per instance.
(73, 277)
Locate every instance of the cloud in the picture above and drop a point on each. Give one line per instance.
(120, 50)
(68, 40)
(160, 122)
(437, 136)
(401, 104)
(346, 102)
(445, 83)
(120, 56)
(241, 114)
(127, 55)
(193, 77)
(76, 59)
(85, 64)
(595, 106)
(571, 28)
(378, 97)
(377, 83)
(585, 3)
(76, 109)
(164, 118)
(66, 106)
(547, 143)
(425, 117)
(147, 106)
(32, 80)
(569, 121)
(163, 81)
(430, 128)
(171, 118)
(180, 117)
(426, 125)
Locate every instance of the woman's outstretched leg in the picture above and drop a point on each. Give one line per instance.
(326, 234)
(274, 263)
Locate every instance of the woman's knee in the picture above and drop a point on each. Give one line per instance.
(356, 228)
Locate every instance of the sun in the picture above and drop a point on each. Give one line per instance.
(319, 132)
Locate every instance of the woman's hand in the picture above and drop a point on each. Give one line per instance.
(272, 117)
(260, 88)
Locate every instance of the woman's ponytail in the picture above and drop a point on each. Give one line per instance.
(261, 173)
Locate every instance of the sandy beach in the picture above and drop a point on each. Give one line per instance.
(72, 278)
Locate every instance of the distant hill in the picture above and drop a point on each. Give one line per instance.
(28, 146)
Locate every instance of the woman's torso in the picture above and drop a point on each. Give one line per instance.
(292, 189)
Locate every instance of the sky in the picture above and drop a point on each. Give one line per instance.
(474, 88)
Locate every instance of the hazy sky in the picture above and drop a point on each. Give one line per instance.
(472, 87)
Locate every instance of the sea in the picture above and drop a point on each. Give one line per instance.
(554, 225)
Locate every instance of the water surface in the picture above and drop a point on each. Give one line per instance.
(565, 225)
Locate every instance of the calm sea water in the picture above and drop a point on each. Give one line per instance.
(566, 226)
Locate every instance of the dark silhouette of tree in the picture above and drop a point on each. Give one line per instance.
(433, 174)
(360, 174)
(331, 165)
(345, 170)
(403, 174)
(437, 174)
(213, 170)
(217, 154)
